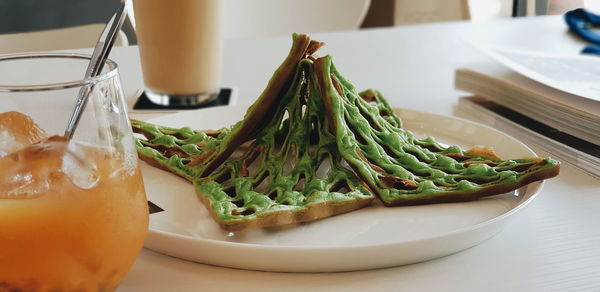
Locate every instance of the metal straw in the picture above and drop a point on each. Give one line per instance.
(101, 51)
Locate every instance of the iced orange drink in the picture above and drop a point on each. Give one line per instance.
(72, 217)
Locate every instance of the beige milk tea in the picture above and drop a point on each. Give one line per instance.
(180, 45)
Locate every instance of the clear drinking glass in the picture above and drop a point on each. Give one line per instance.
(73, 213)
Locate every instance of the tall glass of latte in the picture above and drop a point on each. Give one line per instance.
(180, 48)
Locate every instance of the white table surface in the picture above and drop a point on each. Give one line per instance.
(554, 245)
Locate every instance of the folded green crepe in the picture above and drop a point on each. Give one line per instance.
(311, 146)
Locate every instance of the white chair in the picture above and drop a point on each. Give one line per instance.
(84, 36)
(242, 18)
(257, 18)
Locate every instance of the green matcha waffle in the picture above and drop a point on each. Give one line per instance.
(264, 171)
(403, 170)
(312, 147)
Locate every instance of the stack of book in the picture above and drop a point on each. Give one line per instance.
(549, 102)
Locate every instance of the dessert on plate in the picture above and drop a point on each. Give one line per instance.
(312, 146)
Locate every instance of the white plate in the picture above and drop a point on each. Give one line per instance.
(372, 237)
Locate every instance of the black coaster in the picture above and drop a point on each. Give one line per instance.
(143, 103)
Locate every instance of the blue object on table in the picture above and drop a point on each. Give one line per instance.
(591, 49)
(580, 21)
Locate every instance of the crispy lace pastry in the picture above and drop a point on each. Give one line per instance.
(312, 147)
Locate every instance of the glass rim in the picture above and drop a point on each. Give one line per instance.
(112, 71)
